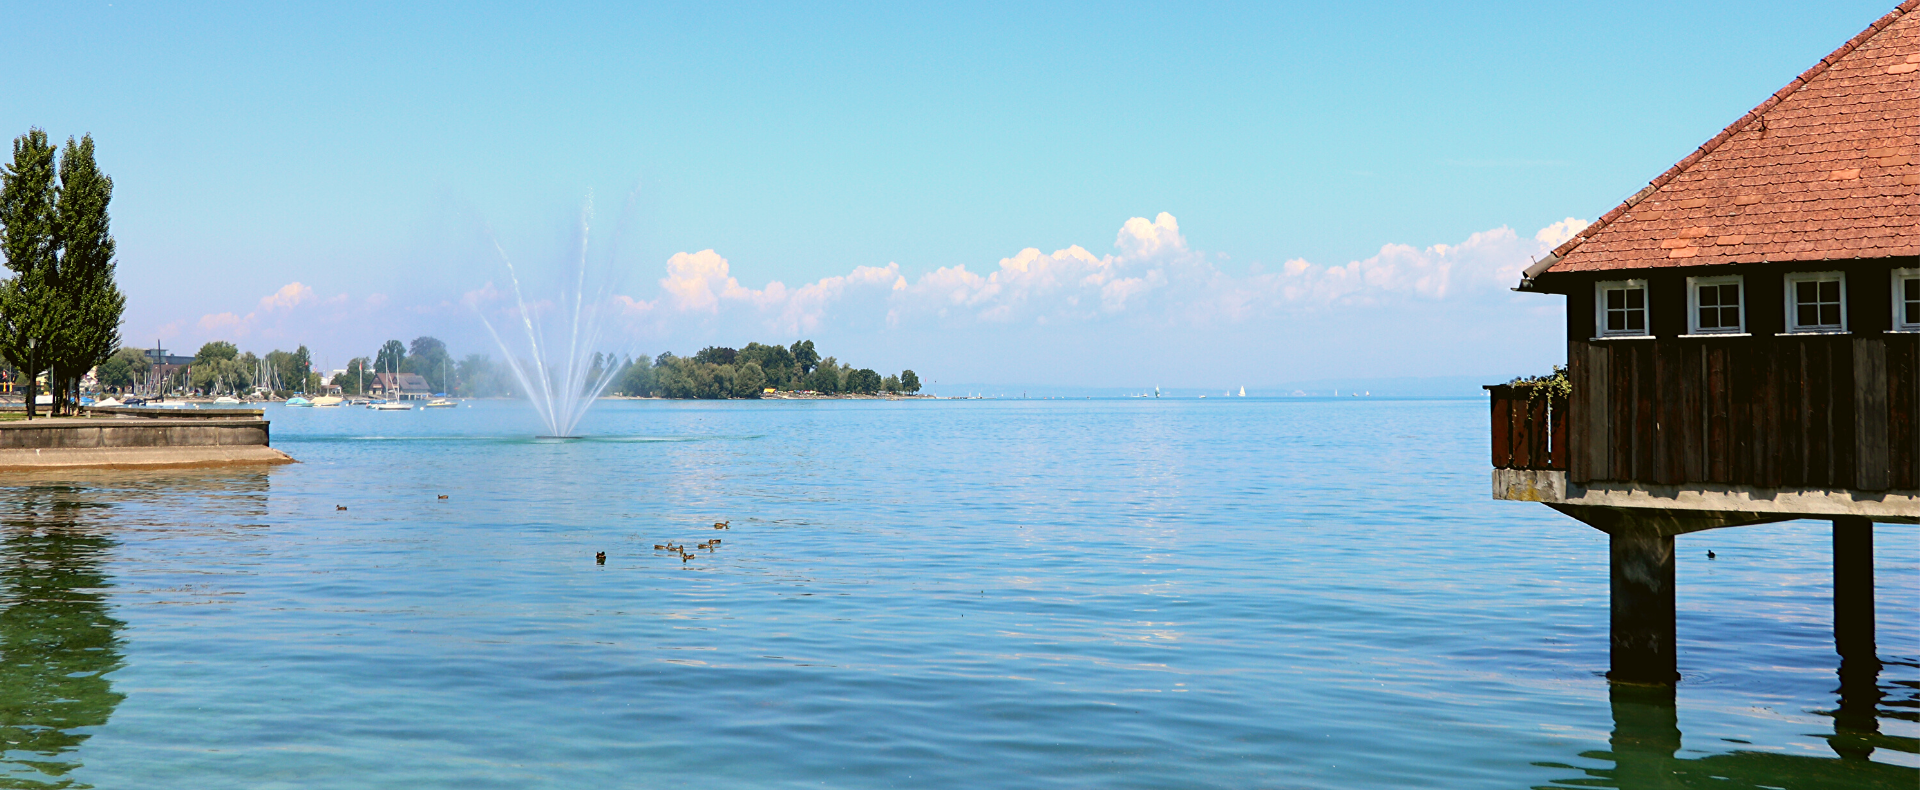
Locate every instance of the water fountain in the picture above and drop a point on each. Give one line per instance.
(559, 388)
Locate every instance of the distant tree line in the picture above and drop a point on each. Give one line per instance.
(475, 376)
(60, 310)
(218, 368)
(719, 372)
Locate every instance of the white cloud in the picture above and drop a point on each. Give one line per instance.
(289, 296)
(1557, 234)
(1153, 276)
(279, 315)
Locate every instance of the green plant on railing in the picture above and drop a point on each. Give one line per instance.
(1555, 385)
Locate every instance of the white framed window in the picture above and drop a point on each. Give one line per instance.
(1816, 302)
(1906, 300)
(1716, 305)
(1620, 308)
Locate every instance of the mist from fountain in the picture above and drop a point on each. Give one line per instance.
(560, 388)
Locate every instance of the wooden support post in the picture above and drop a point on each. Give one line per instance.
(1643, 629)
(1853, 589)
(1856, 720)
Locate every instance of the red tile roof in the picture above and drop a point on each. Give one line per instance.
(1827, 168)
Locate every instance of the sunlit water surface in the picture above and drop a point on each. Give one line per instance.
(1133, 593)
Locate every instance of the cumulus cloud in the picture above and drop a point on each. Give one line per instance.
(1152, 276)
(276, 316)
(289, 296)
(702, 282)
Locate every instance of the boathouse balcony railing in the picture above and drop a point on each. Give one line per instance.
(1528, 432)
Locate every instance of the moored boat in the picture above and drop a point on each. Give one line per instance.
(298, 401)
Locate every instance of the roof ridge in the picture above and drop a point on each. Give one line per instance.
(1736, 127)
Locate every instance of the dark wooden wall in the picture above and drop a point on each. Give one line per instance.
(1818, 411)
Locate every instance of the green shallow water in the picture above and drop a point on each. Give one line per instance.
(1221, 593)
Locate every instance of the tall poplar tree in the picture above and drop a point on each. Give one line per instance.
(88, 329)
(60, 311)
(28, 219)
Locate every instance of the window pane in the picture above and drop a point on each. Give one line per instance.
(1637, 321)
(1830, 291)
(1913, 289)
(1804, 292)
(1616, 321)
(1829, 315)
(1616, 298)
(1806, 314)
(1709, 296)
(1729, 317)
(1709, 318)
(1636, 298)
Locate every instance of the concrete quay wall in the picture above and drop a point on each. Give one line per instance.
(145, 442)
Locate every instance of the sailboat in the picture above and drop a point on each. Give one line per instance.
(1243, 392)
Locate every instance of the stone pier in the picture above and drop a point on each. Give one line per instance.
(139, 439)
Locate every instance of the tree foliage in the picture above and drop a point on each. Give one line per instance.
(90, 304)
(125, 369)
(390, 357)
(428, 357)
(60, 310)
(721, 372)
(27, 302)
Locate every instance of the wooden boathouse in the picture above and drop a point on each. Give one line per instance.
(1743, 346)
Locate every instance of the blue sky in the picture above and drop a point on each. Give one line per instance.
(1345, 186)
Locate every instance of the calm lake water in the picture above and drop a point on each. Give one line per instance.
(1234, 593)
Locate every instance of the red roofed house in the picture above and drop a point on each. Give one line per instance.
(1743, 344)
(400, 386)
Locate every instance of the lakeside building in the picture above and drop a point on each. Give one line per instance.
(1743, 345)
(400, 386)
(162, 368)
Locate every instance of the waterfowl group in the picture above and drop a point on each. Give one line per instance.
(681, 550)
(600, 558)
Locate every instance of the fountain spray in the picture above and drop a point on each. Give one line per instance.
(560, 390)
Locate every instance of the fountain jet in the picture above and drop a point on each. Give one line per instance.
(560, 387)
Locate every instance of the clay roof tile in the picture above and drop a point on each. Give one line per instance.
(1826, 165)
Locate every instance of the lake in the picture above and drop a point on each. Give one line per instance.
(1232, 593)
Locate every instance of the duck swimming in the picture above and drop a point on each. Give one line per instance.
(600, 558)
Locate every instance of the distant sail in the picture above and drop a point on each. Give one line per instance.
(1243, 392)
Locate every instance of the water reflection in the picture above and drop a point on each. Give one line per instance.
(1645, 748)
(57, 639)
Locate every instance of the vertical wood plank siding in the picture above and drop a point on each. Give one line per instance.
(1822, 411)
(1528, 433)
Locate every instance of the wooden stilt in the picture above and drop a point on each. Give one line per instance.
(1643, 627)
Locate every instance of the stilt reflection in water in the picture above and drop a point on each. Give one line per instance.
(1645, 750)
(57, 639)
